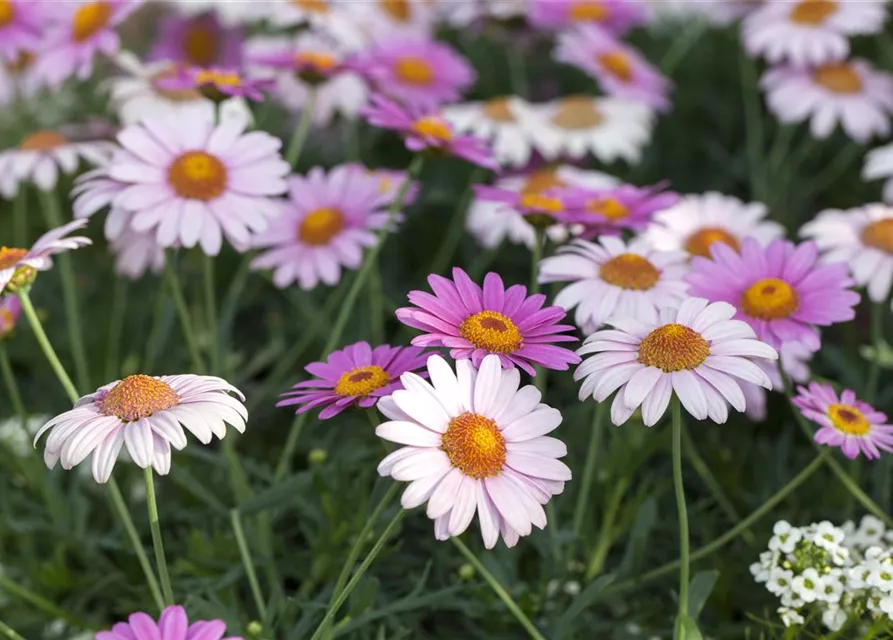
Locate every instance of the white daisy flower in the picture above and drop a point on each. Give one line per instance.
(19, 266)
(807, 585)
(16, 436)
(507, 123)
(879, 165)
(382, 19)
(229, 13)
(333, 17)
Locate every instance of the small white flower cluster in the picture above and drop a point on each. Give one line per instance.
(840, 573)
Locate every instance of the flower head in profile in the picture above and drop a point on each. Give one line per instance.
(846, 422)
(357, 375)
(425, 130)
(19, 266)
(696, 351)
(21, 28)
(879, 166)
(474, 322)
(476, 443)
(137, 253)
(610, 278)
(609, 211)
(147, 415)
(508, 123)
(542, 208)
(390, 182)
(10, 311)
(197, 41)
(616, 16)
(794, 359)
(779, 290)
(217, 83)
(173, 624)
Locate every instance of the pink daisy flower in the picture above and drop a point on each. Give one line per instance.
(357, 375)
(145, 414)
(609, 211)
(19, 267)
(217, 83)
(78, 31)
(415, 72)
(389, 182)
(473, 322)
(476, 443)
(428, 131)
(327, 221)
(10, 311)
(617, 16)
(21, 28)
(542, 208)
(137, 253)
(846, 422)
(696, 351)
(779, 289)
(794, 358)
(172, 625)
(198, 41)
(852, 93)
(192, 180)
(620, 70)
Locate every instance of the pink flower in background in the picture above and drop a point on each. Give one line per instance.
(389, 182)
(355, 375)
(609, 211)
(17, 263)
(10, 311)
(199, 41)
(137, 253)
(21, 28)
(217, 81)
(617, 16)
(794, 357)
(18, 79)
(543, 207)
(172, 625)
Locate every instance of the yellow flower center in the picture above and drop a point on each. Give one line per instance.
(10, 256)
(588, 11)
(433, 127)
(414, 70)
(400, 10)
(362, 381)
(316, 60)
(174, 95)
(698, 243)
(673, 347)
(218, 78)
(838, 77)
(474, 445)
(848, 420)
(541, 203)
(7, 323)
(498, 110)
(618, 64)
(137, 397)
(201, 45)
(813, 12)
(320, 225)
(313, 6)
(7, 13)
(42, 141)
(629, 271)
(577, 113)
(197, 175)
(492, 331)
(22, 276)
(89, 19)
(610, 208)
(540, 181)
(879, 235)
(769, 299)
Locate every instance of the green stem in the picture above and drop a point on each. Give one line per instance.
(877, 336)
(116, 326)
(352, 140)
(361, 571)
(376, 305)
(20, 217)
(157, 542)
(47, 347)
(535, 259)
(299, 137)
(683, 516)
(248, 563)
(50, 205)
(681, 46)
(176, 289)
(457, 225)
(605, 539)
(9, 632)
(500, 591)
(37, 601)
(595, 437)
(754, 127)
(158, 316)
(12, 388)
(518, 74)
(211, 313)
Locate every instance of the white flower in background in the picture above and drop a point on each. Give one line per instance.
(229, 12)
(790, 617)
(871, 531)
(780, 581)
(508, 123)
(879, 165)
(834, 618)
(17, 437)
(807, 585)
(827, 536)
(786, 537)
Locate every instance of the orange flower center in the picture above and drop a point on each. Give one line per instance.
(838, 77)
(89, 19)
(7, 13)
(10, 256)
(541, 204)
(414, 70)
(813, 12)
(610, 208)
(698, 243)
(848, 420)
(540, 181)
(362, 381)
(137, 397)
(218, 78)
(197, 175)
(673, 347)
(320, 225)
(629, 271)
(433, 127)
(7, 323)
(474, 445)
(618, 64)
(576, 113)
(313, 6)
(316, 60)
(498, 110)
(42, 141)
(398, 9)
(201, 45)
(492, 331)
(588, 11)
(879, 235)
(769, 299)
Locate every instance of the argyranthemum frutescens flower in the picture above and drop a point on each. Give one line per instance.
(696, 351)
(476, 443)
(145, 414)
(172, 625)
(19, 267)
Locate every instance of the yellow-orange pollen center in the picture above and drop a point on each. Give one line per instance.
(316, 60)
(576, 113)
(588, 10)
(313, 6)
(540, 181)
(362, 381)
(629, 271)
(89, 19)
(492, 331)
(474, 445)
(618, 64)
(610, 208)
(879, 235)
(218, 78)
(698, 243)
(769, 299)
(137, 397)
(848, 420)
(7, 13)
(42, 141)
(414, 70)
(433, 127)
(813, 12)
(673, 347)
(201, 45)
(498, 110)
(838, 77)
(398, 9)
(197, 175)
(540, 203)
(320, 225)
(10, 256)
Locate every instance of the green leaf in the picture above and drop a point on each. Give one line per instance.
(882, 354)
(699, 589)
(638, 537)
(279, 494)
(690, 627)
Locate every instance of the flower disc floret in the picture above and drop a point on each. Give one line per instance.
(414, 70)
(43, 141)
(630, 271)
(769, 299)
(839, 77)
(89, 19)
(673, 347)
(320, 226)
(813, 12)
(879, 235)
(848, 420)
(474, 445)
(698, 243)
(136, 397)
(492, 331)
(362, 381)
(198, 175)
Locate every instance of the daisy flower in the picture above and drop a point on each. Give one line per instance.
(612, 278)
(42, 155)
(861, 238)
(698, 221)
(476, 443)
(390, 181)
(230, 14)
(192, 180)
(608, 211)
(217, 83)
(879, 165)
(473, 322)
(137, 253)
(21, 28)
(332, 17)
(809, 32)
(620, 70)
(10, 311)
(78, 31)
(794, 358)
(19, 267)
(357, 375)
(18, 79)
(779, 289)
(199, 41)
(609, 128)
(462, 14)
(543, 208)
(852, 93)
(416, 72)
(323, 227)
(846, 422)
(507, 123)
(145, 414)
(384, 19)
(617, 16)
(696, 351)
(427, 130)
(172, 625)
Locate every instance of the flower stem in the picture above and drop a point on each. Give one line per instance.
(211, 313)
(535, 258)
(46, 347)
(877, 336)
(683, 516)
(157, 542)
(20, 217)
(236, 520)
(183, 311)
(9, 632)
(7, 586)
(12, 388)
(457, 225)
(159, 313)
(116, 326)
(299, 137)
(595, 437)
(503, 595)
